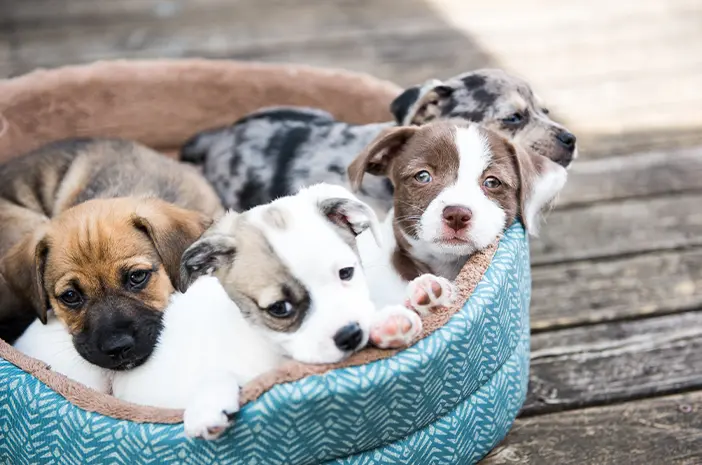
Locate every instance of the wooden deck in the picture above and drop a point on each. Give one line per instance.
(616, 373)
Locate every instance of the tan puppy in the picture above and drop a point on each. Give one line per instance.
(106, 267)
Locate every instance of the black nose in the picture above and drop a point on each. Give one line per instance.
(349, 337)
(118, 345)
(566, 139)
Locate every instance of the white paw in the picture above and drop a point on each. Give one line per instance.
(395, 327)
(428, 292)
(211, 411)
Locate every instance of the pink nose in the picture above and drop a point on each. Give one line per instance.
(457, 218)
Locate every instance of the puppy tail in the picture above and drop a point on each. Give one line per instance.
(196, 149)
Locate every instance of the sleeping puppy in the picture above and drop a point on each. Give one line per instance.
(275, 151)
(259, 292)
(457, 187)
(107, 266)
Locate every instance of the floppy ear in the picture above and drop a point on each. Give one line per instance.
(172, 229)
(344, 210)
(204, 257)
(541, 180)
(376, 157)
(420, 104)
(23, 270)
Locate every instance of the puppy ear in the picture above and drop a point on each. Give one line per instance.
(541, 180)
(343, 209)
(172, 229)
(420, 104)
(23, 270)
(205, 256)
(376, 157)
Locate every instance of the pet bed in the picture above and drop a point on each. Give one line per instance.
(450, 398)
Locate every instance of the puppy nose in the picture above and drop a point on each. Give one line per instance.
(349, 337)
(118, 345)
(566, 139)
(457, 218)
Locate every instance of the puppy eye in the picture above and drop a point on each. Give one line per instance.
(423, 177)
(71, 299)
(492, 182)
(514, 118)
(280, 309)
(546, 111)
(346, 274)
(138, 278)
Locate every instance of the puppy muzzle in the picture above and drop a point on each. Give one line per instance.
(119, 333)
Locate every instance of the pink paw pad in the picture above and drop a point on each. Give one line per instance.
(395, 328)
(429, 292)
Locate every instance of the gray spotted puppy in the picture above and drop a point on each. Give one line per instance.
(275, 151)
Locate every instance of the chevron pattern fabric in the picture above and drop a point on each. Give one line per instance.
(448, 399)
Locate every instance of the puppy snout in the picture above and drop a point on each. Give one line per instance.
(457, 218)
(118, 346)
(566, 139)
(349, 337)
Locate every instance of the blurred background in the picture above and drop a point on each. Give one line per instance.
(623, 74)
(616, 310)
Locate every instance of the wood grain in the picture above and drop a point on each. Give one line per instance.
(641, 174)
(665, 430)
(613, 362)
(382, 52)
(590, 292)
(6, 65)
(620, 228)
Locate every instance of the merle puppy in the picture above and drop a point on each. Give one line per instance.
(275, 151)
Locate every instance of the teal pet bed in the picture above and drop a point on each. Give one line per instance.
(450, 398)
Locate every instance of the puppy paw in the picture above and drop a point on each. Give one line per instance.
(206, 423)
(212, 409)
(395, 327)
(429, 292)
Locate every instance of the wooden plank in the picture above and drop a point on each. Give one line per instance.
(665, 430)
(383, 54)
(603, 145)
(590, 292)
(642, 174)
(619, 228)
(219, 30)
(6, 65)
(39, 14)
(609, 363)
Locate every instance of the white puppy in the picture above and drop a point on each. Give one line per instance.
(53, 345)
(280, 281)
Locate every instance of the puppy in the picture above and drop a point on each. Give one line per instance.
(273, 152)
(106, 267)
(259, 292)
(457, 187)
(53, 345)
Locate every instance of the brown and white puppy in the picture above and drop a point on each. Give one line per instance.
(275, 151)
(94, 230)
(457, 187)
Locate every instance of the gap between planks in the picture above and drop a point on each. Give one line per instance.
(661, 430)
(614, 362)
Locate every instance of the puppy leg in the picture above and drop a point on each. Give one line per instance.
(428, 292)
(211, 410)
(394, 327)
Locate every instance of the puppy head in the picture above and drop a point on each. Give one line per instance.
(292, 268)
(499, 101)
(107, 269)
(457, 185)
